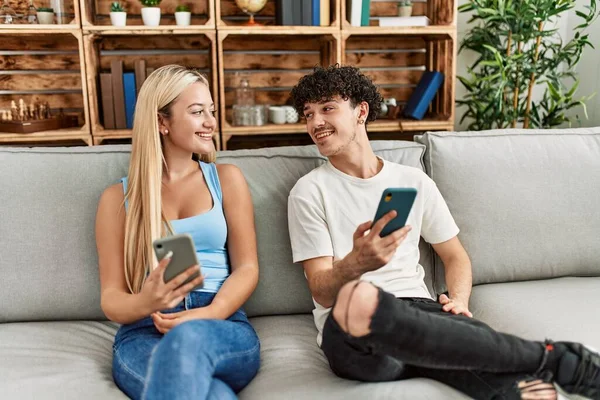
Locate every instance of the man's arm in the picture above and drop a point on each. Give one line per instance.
(458, 275)
(370, 252)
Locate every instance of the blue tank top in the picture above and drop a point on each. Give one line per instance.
(209, 232)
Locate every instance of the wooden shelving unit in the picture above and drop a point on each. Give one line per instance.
(220, 44)
(45, 65)
(187, 47)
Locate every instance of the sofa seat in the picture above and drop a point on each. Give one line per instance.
(293, 367)
(57, 360)
(72, 360)
(557, 309)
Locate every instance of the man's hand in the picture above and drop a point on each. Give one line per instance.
(370, 251)
(454, 306)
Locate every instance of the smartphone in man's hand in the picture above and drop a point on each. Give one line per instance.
(399, 199)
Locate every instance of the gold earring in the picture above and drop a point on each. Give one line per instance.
(360, 121)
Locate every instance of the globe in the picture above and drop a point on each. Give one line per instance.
(251, 7)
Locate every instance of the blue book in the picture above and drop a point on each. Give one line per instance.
(316, 12)
(130, 97)
(423, 95)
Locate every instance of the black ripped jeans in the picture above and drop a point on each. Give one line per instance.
(414, 337)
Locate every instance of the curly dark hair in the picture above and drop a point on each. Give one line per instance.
(346, 81)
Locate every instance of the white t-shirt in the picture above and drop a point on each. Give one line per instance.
(326, 206)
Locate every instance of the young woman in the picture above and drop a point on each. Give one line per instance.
(176, 342)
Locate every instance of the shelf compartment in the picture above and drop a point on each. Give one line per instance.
(96, 14)
(272, 69)
(191, 50)
(396, 64)
(439, 12)
(44, 68)
(230, 16)
(66, 15)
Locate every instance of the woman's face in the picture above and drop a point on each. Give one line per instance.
(192, 123)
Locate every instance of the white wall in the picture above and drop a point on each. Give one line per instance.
(588, 68)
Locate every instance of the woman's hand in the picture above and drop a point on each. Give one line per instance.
(158, 295)
(165, 322)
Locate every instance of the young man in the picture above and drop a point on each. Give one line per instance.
(376, 319)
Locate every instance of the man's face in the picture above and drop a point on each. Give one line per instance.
(332, 124)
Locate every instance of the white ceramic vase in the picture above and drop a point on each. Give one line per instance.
(183, 18)
(151, 16)
(118, 18)
(45, 17)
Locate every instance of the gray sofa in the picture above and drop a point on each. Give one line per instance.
(528, 205)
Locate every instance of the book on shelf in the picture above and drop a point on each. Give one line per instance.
(116, 70)
(417, 20)
(303, 12)
(325, 13)
(365, 13)
(106, 94)
(130, 97)
(119, 91)
(354, 12)
(306, 12)
(140, 74)
(423, 95)
(316, 12)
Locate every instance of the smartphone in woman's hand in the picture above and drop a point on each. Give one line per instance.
(184, 255)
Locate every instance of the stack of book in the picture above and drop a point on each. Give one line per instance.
(358, 14)
(118, 91)
(303, 12)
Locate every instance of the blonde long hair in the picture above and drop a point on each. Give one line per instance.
(145, 220)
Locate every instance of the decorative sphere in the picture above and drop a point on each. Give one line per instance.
(251, 6)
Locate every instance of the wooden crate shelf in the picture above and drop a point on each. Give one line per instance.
(439, 12)
(271, 68)
(396, 63)
(219, 43)
(95, 15)
(230, 16)
(64, 19)
(195, 50)
(44, 68)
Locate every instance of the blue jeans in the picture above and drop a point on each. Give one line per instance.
(199, 359)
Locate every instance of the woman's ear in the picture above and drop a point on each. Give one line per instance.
(162, 125)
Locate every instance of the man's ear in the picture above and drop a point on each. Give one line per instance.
(363, 111)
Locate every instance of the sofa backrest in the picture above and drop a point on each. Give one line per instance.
(526, 201)
(48, 202)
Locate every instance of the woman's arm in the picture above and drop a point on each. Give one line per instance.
(117, 302)
(241, 243)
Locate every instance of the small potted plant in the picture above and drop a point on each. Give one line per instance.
(183, 15)
(45, 15)
(118, 16)
(405, 8)
(151, 12)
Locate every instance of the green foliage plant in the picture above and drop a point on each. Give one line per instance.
(116, 6)
(517, 50)
(150, 3)
(182, 7)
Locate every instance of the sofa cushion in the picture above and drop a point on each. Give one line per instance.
(557, 309)
(271, 173)
(48, 204)
(57, 360)
(293, 367)
(526, 201)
